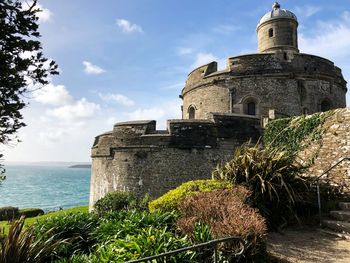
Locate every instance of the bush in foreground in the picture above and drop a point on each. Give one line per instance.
(272, 177)
(118, 200)
(226, 214)
(9, 213)
(22, 246)
(74, 227)
(172, 199)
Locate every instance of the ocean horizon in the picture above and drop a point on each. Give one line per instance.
(49, 187)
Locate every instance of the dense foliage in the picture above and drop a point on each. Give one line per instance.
(21, 62)
(74, 227)
(21, 245)
(293, 133)
(171, 200)
(225, 213)
(272, 177)
(118, 200)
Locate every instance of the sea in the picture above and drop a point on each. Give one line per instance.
(50, 188)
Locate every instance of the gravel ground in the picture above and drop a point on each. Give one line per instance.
(306, 246)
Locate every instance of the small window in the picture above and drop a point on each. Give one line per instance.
(191, 113)
(285, 55)
(271, 32)
(251, 108)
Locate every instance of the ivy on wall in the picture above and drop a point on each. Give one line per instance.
(292, 134)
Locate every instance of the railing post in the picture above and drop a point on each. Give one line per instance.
(215, 254)
(319, 202)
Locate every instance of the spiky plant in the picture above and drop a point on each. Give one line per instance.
(20, 245)
(270, 174)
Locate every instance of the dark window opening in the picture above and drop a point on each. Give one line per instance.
(325, 105)
(251, 108)
(271, 32)
(191, 113)
(285, 56)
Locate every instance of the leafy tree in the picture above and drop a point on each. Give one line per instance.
(22, 63)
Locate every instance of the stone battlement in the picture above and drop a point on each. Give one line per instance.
(182, 134)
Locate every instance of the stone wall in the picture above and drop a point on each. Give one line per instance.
(292, 85)
(135, 157)
(332, 147)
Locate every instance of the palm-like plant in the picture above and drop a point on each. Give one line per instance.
(20, 245)
(270, 174)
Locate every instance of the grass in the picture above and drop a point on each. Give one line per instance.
(4, 225)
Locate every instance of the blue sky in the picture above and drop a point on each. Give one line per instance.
(128, 59)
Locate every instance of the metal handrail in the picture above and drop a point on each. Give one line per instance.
(317, 180)
(212, 244)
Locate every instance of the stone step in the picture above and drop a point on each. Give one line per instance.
(341, 215)
(344, 205)
(335, 234)
(339, 226)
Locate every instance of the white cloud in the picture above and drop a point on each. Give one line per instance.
(79, 110)
(119, 98)
(44, 14)
(203, 58)
(161, 113)
(127, 27)
(53, 95)
(307, 10)
(92, 69)
(184, 51)
(328, 39)
(53, 135)
(174, 86)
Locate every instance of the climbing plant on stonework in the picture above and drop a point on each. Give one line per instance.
(292, 133)
(21, 63)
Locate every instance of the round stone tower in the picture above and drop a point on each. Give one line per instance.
(277, 31)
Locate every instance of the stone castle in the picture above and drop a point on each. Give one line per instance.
(221, 110)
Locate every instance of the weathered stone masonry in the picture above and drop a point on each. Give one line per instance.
(221, 110)
(136, 157)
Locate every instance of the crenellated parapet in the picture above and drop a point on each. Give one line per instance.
(137, 157)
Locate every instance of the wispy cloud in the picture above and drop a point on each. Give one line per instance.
(174, 86)
(184, 51)
(225, 29)
(77, 111)
(119, 98)
(127, 27)
(92, 69)
(203, 58)
(329, 38)
(307, 10)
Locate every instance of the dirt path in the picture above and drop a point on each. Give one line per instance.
(306, 246)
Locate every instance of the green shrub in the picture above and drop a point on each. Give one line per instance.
(123, 223)
(272, 177)
(76, 258)
(9, 213)
(172, 199)
(226, 214)
(76, 227)
(115, 201)
(31, 212)
(22, 246)
(148, 242)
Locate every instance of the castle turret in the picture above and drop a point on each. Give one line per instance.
(277, 31)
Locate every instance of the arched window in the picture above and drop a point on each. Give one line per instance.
(271, 32)
(191, 112)
(325, 105)
(251, 108)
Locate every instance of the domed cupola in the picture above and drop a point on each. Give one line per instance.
(277, 31)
